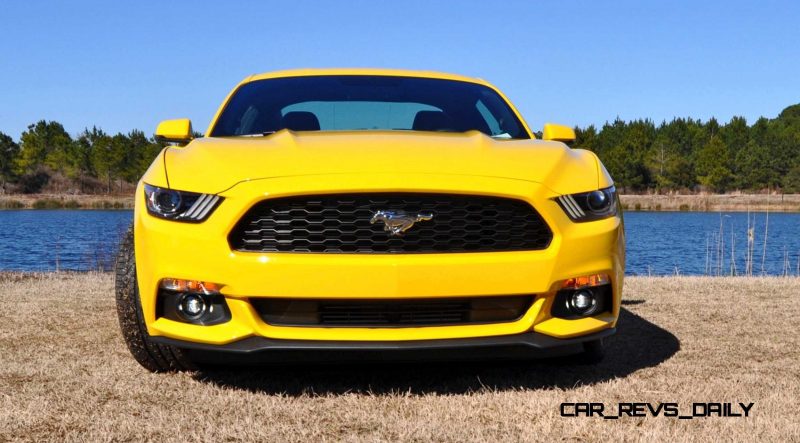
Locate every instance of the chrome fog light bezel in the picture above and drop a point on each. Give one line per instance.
(580, 295)
(183, 305)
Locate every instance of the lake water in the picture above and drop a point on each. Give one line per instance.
(659, 243)
(662, 243)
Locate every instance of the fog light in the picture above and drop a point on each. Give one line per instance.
(583, 302)
(192, 306)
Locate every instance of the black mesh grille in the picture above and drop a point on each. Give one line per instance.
(393, 312)
(341, 223)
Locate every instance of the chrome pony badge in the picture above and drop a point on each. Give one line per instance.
(398, 222)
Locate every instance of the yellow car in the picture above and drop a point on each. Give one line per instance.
(338, 213)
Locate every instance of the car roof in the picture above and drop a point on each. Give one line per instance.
(364, 71)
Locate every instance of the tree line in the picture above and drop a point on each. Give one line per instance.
(690, 155)
(48, 159)
(684, 155)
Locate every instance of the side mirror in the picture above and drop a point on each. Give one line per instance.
(559, 133)
(174, 131)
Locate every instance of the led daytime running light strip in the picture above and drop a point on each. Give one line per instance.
(201, 207)
(571, 206)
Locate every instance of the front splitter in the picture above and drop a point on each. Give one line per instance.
(258, 350)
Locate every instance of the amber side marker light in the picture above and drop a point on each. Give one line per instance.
(197, 287)
(586, 281)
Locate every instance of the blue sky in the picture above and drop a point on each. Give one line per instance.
(123, 65)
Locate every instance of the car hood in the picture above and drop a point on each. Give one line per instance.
(213, 165)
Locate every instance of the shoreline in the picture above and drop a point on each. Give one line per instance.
(65, 201)
(630, 202)
(711, 202)
(7, 276)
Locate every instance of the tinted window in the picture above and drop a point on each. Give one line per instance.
(331, 103)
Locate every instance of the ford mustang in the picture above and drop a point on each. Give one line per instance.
(338, 213)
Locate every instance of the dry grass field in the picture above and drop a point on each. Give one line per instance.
(712, 202)
(65, 375)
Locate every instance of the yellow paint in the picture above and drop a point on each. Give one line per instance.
(247, 170)
(559, 133)
(177, 131)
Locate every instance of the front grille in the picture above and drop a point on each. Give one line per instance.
(391, 313)
(341, 223)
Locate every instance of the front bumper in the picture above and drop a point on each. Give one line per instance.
(167, 249)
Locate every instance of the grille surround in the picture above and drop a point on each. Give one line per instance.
(392, 313)
(340, 223)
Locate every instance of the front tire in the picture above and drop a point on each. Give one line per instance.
(153, 356)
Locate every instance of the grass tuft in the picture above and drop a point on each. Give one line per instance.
(11, 204)
(47, 204)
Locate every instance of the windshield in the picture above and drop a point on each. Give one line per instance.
(363, 103)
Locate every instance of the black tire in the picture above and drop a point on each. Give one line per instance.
(593, 351)
(153, 356)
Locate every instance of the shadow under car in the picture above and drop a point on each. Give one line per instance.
(638, 344)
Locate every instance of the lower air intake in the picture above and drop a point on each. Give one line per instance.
(391, 313)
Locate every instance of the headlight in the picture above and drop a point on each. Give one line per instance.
(179, 205)
(588, 206)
